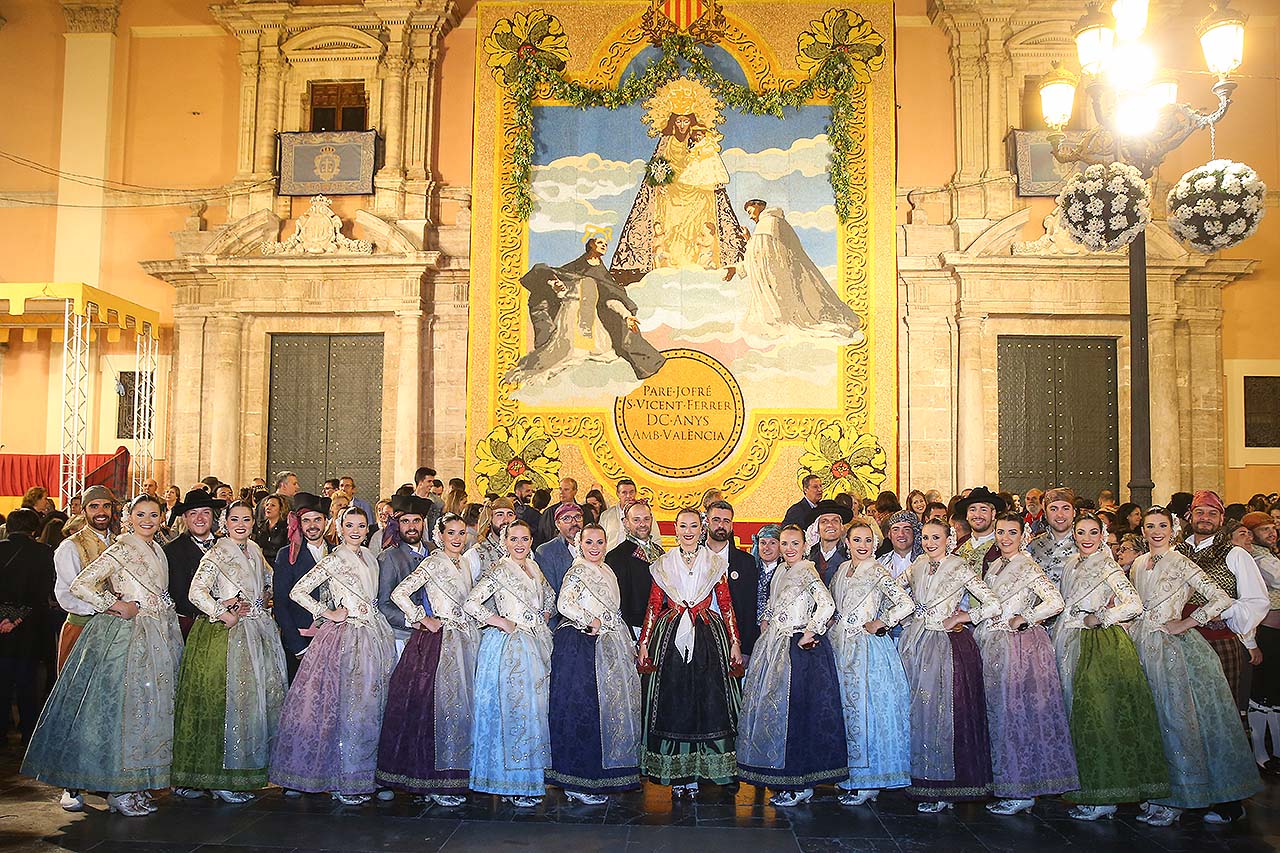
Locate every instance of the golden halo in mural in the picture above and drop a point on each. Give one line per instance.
(682, 96)
(686, 419)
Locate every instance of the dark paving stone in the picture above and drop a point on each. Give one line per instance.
(487, 837)
(141, 847)
(351, 831)
(627, 814)
(230, 848)
(848, 845)
(749, 816)
(670, 839)
(942, 831)
(169, 825)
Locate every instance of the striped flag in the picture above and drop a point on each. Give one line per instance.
(682, 12)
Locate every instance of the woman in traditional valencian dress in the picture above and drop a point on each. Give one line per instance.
(425, 747)
(595, 689)
(791, 735)
(1109, 704)
(873, 685)
(690, 649)
(232, 682)
(108, 725)
(510, 739)
(1208, 755)
(950, 747)
(332, 716)
(1031, 751)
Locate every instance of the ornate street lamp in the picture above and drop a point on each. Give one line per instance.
(1139, 122)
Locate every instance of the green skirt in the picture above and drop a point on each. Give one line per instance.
(1113, 723)
(199, 721)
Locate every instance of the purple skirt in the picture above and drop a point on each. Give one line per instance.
(328, 735)
(407, 748)
(1031, 749)
(971, 747)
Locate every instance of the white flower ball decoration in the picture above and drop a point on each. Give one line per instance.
(1217, 205)
(1116, 189)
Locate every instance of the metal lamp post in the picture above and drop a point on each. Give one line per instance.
(1139, 123)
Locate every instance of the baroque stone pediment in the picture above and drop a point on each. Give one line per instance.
(330, 43)
(318, 232)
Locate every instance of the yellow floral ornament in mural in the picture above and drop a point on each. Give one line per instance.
(841, 35)
(514, 41)
(517, 452)
(846, 460)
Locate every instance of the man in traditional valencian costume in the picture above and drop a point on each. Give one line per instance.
(980, 509)
(630, 560)
(1056, 545)
(307, 547)
(398, 562)
(199, 510)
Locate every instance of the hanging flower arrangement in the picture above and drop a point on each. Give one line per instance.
(1217, 205)
(1104, 207)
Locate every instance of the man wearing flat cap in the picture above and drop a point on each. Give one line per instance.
(556, 556)
(1234, 632)
(829, 552)
(979, 509)
(1056, 545)
(399, 560)
(308, 516)
(199, 509)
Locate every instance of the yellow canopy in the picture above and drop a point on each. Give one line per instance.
(35, 305)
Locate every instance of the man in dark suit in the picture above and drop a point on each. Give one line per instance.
(744, 572)
(311, 513)
(396, 564)
(198, 510)
(799, 511)
(26, 586)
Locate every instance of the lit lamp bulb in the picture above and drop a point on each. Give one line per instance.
(1222, 38)
(1137, 113)
(1131, 67)
(1164, 91)
(1057, 96)
(1094, 39)
(1131, 18)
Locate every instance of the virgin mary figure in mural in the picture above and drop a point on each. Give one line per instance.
(682, 216)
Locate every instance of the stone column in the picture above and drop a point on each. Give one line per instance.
(188, 391)
(393, 116)
(1165, 423)
(270, 71)
(222, 414)
(248, 107)
(88, 71)
(1206, 402)
(971, 430)
(411, 382)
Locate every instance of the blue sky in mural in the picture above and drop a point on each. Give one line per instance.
(588, 164)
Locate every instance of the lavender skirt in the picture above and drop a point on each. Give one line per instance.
(328, 735)
(1031, 749)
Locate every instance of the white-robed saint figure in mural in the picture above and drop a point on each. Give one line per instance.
(682, 216)
(785, 288)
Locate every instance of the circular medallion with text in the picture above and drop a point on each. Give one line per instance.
(686, 419)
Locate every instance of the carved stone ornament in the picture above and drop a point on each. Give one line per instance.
(1054, 242)
(91, 16)
(318, 232)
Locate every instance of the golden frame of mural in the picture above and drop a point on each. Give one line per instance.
(853, 445)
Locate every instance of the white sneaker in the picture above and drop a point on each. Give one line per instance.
(126, 804)
(1010, 807)
(72, 802)
(934, 808)
(859, 797)
(188, 793)
(1092, 812)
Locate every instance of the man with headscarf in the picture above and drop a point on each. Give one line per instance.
(489, 547)
(408, 547)
(765, 548)
(1234, 571)
(1056, 545)
(307, 521)
(630, 560)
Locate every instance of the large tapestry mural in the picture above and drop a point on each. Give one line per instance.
(683, 256)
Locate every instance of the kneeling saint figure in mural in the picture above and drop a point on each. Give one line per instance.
(580, 313)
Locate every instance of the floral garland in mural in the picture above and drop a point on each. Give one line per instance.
(846, 460)
(528, 54)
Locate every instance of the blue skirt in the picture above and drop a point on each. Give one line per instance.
(815, 751)
(877, 712)
(577, 762)
(495, 766)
